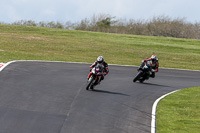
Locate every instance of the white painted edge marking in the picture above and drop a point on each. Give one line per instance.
(90, 63)
(153, 120)
(153, 117)
(6, 64)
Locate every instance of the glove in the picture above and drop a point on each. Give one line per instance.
(139, 69)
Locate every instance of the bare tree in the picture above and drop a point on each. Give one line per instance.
(157, 26)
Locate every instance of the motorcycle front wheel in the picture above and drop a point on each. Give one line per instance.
(89, 83)
(137, 77)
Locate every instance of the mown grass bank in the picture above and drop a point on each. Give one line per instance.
(180, 112)
(36, 43)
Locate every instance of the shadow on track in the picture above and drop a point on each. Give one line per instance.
(153, 84)
(110, 92)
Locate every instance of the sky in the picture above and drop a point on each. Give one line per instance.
(76, 10)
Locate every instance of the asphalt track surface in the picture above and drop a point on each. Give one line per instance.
(50, 97)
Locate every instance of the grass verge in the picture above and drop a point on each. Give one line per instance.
(37, 43)
(179, 112)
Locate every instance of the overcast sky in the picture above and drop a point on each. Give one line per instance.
(76, 10)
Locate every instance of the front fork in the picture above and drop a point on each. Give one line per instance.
(89, 75)
(96, 79)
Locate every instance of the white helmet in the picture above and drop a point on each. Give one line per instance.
(100, 59)
(154, 58)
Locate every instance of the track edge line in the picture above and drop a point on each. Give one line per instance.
(153, 116)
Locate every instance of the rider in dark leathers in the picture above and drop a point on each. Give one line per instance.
(152, 63)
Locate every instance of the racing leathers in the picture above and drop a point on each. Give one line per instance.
(105, 71)
(152, 64)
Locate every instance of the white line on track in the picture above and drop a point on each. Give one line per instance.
(6, 64)
(153, 117)
(90, 63)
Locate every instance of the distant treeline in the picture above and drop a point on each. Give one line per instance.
(157, 26)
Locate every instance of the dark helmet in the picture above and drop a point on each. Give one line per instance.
(100, 59)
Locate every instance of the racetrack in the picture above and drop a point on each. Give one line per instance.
(50, 97)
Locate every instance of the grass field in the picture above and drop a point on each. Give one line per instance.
(36, 43)
(179, 112)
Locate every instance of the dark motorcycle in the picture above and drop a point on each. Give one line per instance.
(143, 74)
(95, 76)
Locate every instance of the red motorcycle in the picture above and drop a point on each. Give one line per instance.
(95, 76)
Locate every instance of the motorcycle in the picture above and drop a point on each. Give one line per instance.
(95, 76)
(143, 74)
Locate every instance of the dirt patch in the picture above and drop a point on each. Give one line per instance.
(34, 38)
(23, 37)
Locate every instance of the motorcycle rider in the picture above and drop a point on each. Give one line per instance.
(152, 63)
(100, 60)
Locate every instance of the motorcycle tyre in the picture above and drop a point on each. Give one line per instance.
(89, 84)
(137, 77)
(142, 80)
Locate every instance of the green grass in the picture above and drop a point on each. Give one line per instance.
(36, 43)
(179, 112)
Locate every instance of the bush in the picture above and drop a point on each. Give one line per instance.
(157, 26)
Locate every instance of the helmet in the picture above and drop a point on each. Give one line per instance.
(100, 59)
(154, 58)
